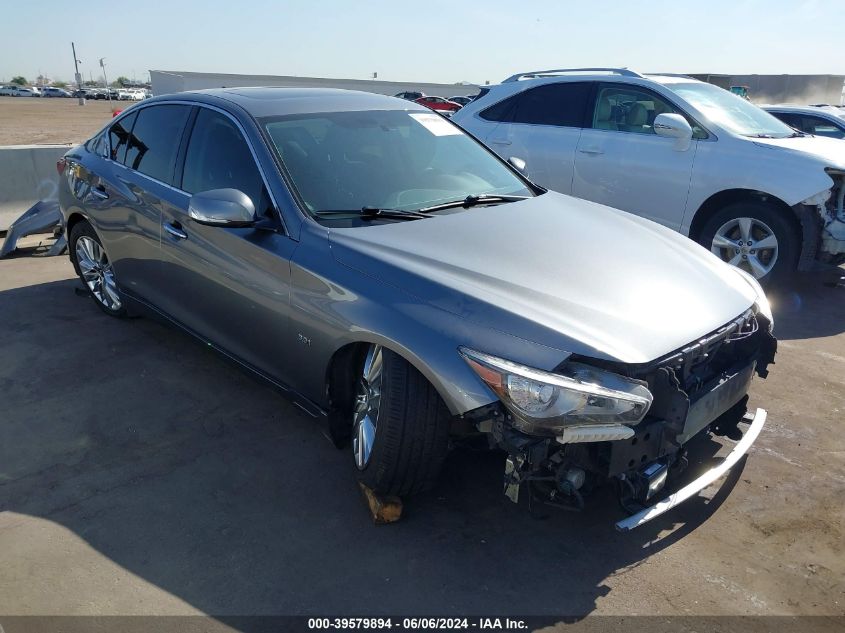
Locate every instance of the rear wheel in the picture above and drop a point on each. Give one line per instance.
(400, 428)
(94, 268)
(754, 236)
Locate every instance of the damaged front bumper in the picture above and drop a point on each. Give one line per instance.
(42, 217)
(757, 420)
(823, 225)
(698, 389)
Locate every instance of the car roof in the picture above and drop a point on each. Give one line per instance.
(519, 82)
(276, 101)
(799, 109)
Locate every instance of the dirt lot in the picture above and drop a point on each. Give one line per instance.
(142, 474)
(25, 120)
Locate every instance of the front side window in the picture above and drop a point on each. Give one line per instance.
(822, 127)
(218, 157)
(386, 159)
(155, 139)
(625, 108)
(558, 104)
(730, 111)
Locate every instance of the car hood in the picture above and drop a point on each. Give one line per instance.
(829, 151)
(561, 272)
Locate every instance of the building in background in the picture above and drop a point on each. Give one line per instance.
(170, 81)
(797, 89)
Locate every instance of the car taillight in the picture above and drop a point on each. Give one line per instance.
(60, 165)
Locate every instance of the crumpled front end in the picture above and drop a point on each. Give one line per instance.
(699, 388)
(833, 230)
(823, 220)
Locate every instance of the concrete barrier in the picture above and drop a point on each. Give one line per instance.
(27, 174)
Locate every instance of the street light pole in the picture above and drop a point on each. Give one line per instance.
(77, 76)
(106, 79)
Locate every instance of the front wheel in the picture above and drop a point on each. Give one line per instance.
(755, 237)
(400, 428)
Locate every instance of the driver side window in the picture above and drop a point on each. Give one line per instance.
(218, 157)
(627, 109)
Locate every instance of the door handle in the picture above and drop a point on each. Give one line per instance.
(500, 142)
(100, 192)
(175, 229)
(593, 151)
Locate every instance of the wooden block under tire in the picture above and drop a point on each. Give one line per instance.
(384, 509)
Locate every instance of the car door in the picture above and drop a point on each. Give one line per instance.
(231, 286)
(622, 163)
(542, 126)
(143, 153)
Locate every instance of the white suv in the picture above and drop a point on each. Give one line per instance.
(681, 152)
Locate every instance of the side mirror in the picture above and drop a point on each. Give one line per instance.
(222, 207)
(519, 165)
(670, 125)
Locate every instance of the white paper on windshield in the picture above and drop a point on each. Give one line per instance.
(435, 124)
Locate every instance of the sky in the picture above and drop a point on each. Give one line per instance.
(424, 40)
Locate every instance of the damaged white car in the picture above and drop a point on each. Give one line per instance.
(687, 154)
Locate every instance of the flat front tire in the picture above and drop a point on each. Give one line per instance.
(400, 425)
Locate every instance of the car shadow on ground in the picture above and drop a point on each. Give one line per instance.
(175, 465)
(819, 296)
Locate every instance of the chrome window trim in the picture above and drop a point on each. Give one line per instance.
(189, 104)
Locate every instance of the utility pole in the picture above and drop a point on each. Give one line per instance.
(106, 79)
(77, 76)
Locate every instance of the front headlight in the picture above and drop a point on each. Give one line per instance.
(763, 306)
(544, 403)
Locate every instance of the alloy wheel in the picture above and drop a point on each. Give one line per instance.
(367, 402)
(747, 243)
(97, 272)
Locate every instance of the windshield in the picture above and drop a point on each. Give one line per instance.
(388, 159)
(732, 112)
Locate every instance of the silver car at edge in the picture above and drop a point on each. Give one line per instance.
(408, 287)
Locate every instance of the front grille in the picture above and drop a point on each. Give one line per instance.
(698, 363)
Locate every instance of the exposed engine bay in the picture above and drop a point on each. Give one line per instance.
(701, 387)
(823, 222)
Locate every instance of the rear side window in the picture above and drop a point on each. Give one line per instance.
(790, 119)
(155, 139)
(558, 104)
(218, 157)
(119, 137)
(98, 145)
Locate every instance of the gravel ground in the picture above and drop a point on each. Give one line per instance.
(142, 474)
(27, 120)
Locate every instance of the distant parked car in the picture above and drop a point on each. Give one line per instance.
(462, 101)
(439, 103)
(815, 120)
(9, 91)
(21, 91)
(51, 91)
(410, 95)
(681, 152)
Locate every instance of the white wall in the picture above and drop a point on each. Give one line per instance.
(166, 82)
(29, 175)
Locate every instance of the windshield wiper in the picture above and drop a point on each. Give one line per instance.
(370, 213)
(471, 201)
